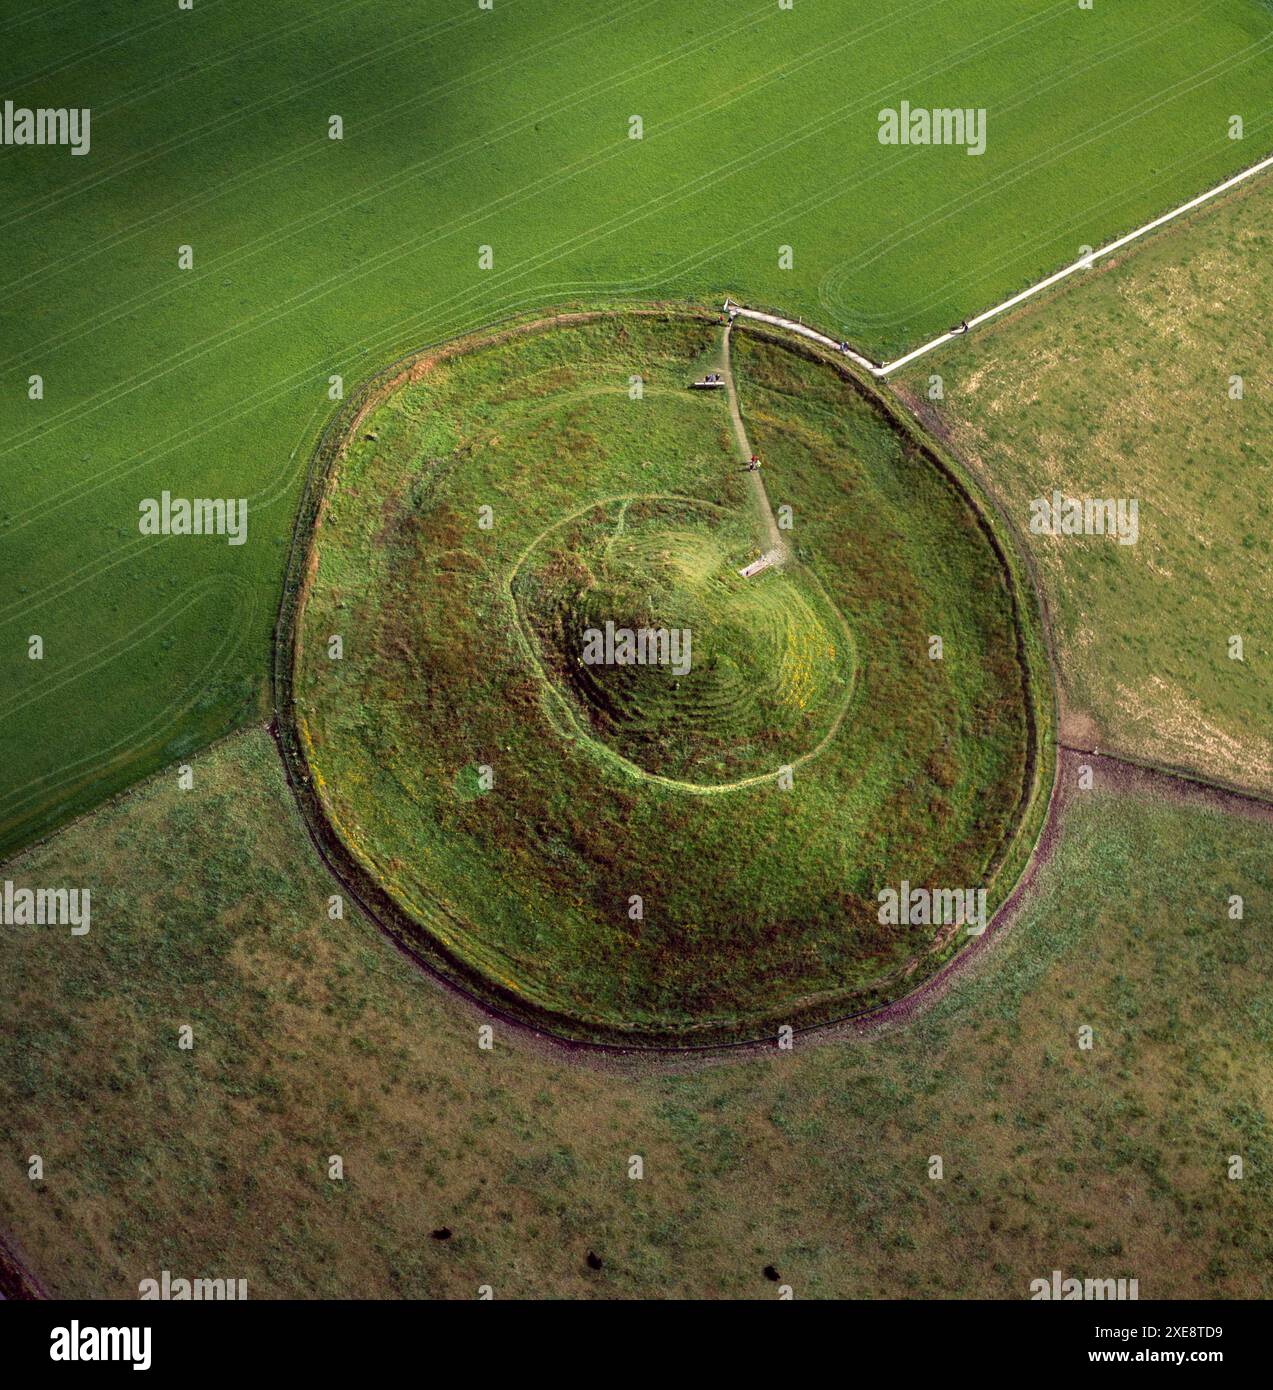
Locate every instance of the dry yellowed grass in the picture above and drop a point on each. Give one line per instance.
(316, 1037)
(1118, 386)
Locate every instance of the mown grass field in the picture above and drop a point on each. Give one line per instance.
(313, 1038)
(1122, 385)
(463, 650)
(464, 128)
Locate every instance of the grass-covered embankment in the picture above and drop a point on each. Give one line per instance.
(505, 803)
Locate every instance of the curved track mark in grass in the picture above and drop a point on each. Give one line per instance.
(274, 490)
(19, 803)
(835, 286)
(276, 96)
(462, 299)
(640, 72)
(55, 677)
(272, 168)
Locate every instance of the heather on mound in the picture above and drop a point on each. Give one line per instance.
(655, 644)
(595, 773)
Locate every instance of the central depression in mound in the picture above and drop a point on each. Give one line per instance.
(774, 659)
(658, 851)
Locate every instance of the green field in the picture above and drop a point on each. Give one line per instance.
(1123, 386)
(312, 1038)
(462, 129)
(464, 648)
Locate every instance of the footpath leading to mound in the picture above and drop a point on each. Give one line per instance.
(1084, 262)
(776, 552)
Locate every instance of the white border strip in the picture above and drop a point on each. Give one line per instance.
(1083, 264)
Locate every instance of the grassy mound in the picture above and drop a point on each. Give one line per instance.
(632, 851)
(746, 673)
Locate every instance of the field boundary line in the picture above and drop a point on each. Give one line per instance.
(1200, 783)
(883, 369)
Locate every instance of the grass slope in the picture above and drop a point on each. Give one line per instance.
(465, 128)
(1122, 386)
(312, 1037)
